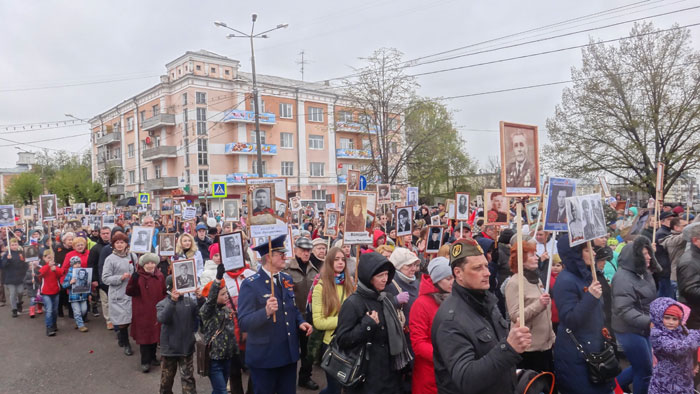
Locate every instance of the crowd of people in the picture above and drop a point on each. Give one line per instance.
(445, 322)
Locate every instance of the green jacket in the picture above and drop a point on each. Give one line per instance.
(218, 318)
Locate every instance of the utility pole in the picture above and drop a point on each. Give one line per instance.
(302, 62)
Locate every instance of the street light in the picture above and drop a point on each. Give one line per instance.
(240, 34)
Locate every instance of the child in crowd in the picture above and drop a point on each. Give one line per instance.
(78, 300)
(50, 274)
(32, 282)
(674, 347)
(557, 266)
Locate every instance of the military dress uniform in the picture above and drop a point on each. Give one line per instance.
(272, 348)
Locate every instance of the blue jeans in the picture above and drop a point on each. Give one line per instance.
(667, 288)
(50, 309)
(638, 351)
(80, 308)
(219, 371)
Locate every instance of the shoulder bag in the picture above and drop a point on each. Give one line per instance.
(202, 351)
(346, 366)
(603, 366)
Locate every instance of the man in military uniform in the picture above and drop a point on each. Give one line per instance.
(521, 171)
(271, 321)
(262, 202)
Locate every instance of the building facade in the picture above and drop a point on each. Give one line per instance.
(197, 127)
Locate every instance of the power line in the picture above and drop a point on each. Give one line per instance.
(66, 85)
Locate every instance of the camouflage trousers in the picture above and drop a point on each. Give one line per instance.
(169, 366)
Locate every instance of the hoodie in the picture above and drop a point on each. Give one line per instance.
(378, 234)
(674, 350)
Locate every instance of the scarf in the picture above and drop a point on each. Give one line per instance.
(531, 276)
(340, 278)
(406, 278)
(398, 348)
(440, 297)
(122, 254)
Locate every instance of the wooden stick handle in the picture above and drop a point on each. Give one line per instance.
(272, 280)
(521, 277)
(549, 265)
(357, 262)
(590, 251)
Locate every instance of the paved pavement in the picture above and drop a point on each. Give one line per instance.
(76, 362)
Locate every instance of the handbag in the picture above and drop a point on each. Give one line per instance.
(399, 311)
(345, 366)
(202, 351)
(603, 366)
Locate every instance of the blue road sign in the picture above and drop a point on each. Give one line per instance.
(218, 189)
(363, 182)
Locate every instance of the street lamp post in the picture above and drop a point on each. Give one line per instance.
(251, 36)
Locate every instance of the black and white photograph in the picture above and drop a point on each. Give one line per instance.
(79, 209)
(559, 190)
(83, 280)
(532, 209)
(141, 239)
(108, 220)
(281, 209)
(166, 206)
(185, 276)
(434, 239)
(231, 212)
(7, 215)
(28, 212)
(404, 221)
(353, 180)
(166, 244)
(520, 166)
(232, 251)
(74, 225)
(295, 217)
(93, 207)
(412, 196)
(384, 194)
(435, 220)
(332, 217)
(450, 208)
(585, 218)
(462, 206)
(295, 203)
(47, 207)
(260, 201)
(177, 209)
(604, 186)
(31, 253)
(108, 207)
(395, 194)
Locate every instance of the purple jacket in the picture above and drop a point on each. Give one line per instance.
(674, 350)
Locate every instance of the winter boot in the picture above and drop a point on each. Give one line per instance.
(14, 313)
(40, 308)
(50, 332)
(19, 307)
(127, 348)
(31, 311)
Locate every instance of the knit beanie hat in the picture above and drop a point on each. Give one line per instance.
(674, 310)
(439, 269)
(402, 256)
(148, 258)
(214, 249)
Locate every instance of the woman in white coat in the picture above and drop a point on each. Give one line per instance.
(116, 272)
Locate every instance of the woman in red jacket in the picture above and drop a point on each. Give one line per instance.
(433, 290)
(146, 288)
(50, 274)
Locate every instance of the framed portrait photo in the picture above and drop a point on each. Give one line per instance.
(384, 194)
(434, 239)
(532, 210)
(79, 209)
(232, 251)
(141, 239)
(404, 221)
(604, 186)
(332, 219)
(520, 165)
(360, 213)
(108, 220)
(7, 215)
(28, 212)
(450, 208)
(461, 206)
(166, 244)
(585, 218)
(435, 220)
(555, 207)
(496, 207)
(83, 280)
(353, 182)
(166, 206)
(231, 211)
(260, 199)
(412, 196)
(185, 276)
(295, 203)
(31, 253)
(48, 207)
(93, 207)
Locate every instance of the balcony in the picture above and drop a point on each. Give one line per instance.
(158, 121)
(116, 190)
(355, 154)
(237, 115)
(245, 148)
(238, 178)
(109, 138)
(113, 162)
(160, 152)
(169, 182)
(351, 127)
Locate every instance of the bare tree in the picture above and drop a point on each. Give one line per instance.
(631, 106)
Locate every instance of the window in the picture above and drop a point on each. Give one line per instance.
(187, 151)
(365, 119)
(129, 123)
(213, 70)
(262, 105)
(318, 195)
(130, 150)
(185, 127)
(315, 141)
(253, 137)
(156, 109)
(317, 169)
(201, 121)
(287, 168)
(184, 99)
(203, 180)
(144, 177)
(202, 152)
(143, 146)
(345, 116)
(286, 111)
(132, 177)
(255, 167)
(347, 143)
(286, 140)
(226, 72)
(201, 97)
(142, 116)
(315, 114)
(156, 169)
(365, 144)
(198, 67)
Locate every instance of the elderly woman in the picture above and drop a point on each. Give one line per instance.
(117, 270)
(538, 309)
(633, 290)
(60, 252)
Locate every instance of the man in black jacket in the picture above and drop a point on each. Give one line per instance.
(666, 288)
(93, 260)
(473, 350)
(689, 275)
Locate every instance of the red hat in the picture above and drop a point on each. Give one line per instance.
(207, 287)
(674, 310)
(214, 249)
(678, 210)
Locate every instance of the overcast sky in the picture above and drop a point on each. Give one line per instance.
(84, 43)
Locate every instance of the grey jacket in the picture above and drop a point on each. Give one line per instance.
(689, 284)
(119, 303)
(178, 325)
(633, 289)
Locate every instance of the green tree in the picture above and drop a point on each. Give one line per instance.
(24, 188)
(69, 177)
(631, 106)
(438, 165)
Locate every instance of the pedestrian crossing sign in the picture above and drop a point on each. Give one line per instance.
(218, 190)
(144, 198)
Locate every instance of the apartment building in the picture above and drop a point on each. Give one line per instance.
(197, 126)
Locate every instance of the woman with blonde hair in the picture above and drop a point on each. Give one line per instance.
(186, 249)
(333, 288)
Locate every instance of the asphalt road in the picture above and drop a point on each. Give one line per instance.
(76, 362)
